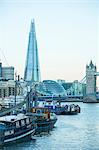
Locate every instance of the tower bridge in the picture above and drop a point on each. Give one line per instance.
(91, 77)
(89, 81)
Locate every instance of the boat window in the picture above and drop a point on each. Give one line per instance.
(38, 111)
(17, 124)
(22, 122)
(12, 119)
(27, 121)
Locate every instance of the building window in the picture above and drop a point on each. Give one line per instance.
(13, 92)
(9, 91)
(0, 93)
(4, 92)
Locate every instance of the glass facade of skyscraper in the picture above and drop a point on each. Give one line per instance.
(32, 70)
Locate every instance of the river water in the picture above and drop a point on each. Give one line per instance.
(78, 132)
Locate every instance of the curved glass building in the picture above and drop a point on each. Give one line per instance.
(50, 88)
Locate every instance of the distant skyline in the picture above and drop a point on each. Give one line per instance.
(67, 34)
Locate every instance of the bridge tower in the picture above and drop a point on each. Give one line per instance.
(90, 78)
(90, 83)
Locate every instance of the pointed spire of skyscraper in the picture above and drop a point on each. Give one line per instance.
(32, 70)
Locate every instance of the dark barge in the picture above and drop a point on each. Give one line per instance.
(16, 128)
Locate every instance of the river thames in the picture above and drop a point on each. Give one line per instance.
(78, 132)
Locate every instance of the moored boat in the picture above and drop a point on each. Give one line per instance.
(45, 120)
(64, 110)
(15, 128)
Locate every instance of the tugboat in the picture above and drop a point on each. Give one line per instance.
(64, 110)
(15, 128)
(44, 118)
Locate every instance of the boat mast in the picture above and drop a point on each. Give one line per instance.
(15, 88)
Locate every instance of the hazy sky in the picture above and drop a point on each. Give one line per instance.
(67, 35)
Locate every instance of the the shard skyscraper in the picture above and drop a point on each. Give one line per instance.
(32, 69)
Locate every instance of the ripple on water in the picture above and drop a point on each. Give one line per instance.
(78, 132)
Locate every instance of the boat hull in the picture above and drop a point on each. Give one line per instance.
(68, 113)
(58, 110)
(26, 135)
(45, 126)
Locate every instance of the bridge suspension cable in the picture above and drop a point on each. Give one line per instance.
(83, 80)
(4, 57)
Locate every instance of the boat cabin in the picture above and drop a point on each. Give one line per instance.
(41, 112)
